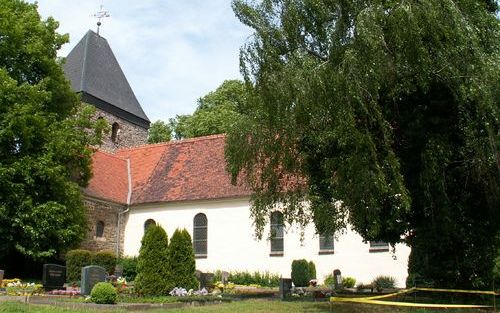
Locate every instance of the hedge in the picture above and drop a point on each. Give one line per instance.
(106, 259)
(75, 260)
(302, 272)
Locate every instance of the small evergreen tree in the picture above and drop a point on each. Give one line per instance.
(182, 262)
(301, 273)
(153, 269)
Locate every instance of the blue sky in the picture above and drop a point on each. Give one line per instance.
(172, 52)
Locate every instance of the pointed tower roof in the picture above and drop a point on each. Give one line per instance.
(94, 72)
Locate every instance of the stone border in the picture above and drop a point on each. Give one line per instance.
(49, 300)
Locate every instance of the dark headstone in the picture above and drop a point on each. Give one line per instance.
(119, 270)
(225, 277)
(53, 277)
(285, 288)
(205, 279)
(1, 277)
(91, 275)
(337, 279)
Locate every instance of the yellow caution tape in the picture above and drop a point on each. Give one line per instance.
(407, 304)
(375, 299)
(459, 291)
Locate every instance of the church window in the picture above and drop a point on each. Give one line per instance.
(99, 229)
(277, 234)
(115, 131)
(148, 223)
(379, 246)
(200, 232)
(326, 243)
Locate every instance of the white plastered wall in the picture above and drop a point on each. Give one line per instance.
(232, 245)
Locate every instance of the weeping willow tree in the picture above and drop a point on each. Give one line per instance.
(381, 116)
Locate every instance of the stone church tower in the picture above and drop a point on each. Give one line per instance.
(95, 74)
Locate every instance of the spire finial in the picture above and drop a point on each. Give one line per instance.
(100, 15)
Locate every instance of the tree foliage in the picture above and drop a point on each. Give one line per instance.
(182, 262)
(216, 112)
(45, 138)
(158, 132)
(378, 114)
(153, 268)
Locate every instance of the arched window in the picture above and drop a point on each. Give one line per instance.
(200, 232)
(277, 234)
(115, 130)
(99, 229)
(149, 222)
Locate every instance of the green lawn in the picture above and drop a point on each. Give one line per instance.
(247, 306)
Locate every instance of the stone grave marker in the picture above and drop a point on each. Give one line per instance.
(53, 277)
(1, 278)
(337, 279)
(91, 275)
(225, 277)
(119, 270)
(285, 288)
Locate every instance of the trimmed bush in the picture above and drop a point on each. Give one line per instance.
(329, 281)
(106, 259)
(182, 262)
(384, 282)
(312, 270)
(75, 260)
(153, 269)
(103, 293)
(301, 273)
(348, 282)
(129, 267)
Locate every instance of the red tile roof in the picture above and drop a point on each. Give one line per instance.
(110, 178)
(190, 169)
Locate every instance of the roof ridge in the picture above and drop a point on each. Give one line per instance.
(111, 154)
(172, 142)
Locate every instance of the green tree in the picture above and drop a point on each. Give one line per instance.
(379, 114)
(182, 262)
(153, 268)
(45, 138)
(158, 132)
(216, 112)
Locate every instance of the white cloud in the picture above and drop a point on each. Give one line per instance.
(172, 52)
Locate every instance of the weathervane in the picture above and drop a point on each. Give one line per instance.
(100, 15)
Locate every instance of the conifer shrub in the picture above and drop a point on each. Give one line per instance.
(153, 268)
(105, 259)
(182, 262)
(75, 260)
(312, 270)
(301, 273)
(103, 293)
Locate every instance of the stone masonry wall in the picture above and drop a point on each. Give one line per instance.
(108, 213)
(130, 135)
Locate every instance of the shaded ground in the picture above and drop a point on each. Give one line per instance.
(247, 306)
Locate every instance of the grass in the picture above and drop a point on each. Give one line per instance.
(248, 306)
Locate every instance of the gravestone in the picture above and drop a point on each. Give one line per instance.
(91, 275)
(1, 278)
(225, 277)
(337, 279)
(119, 270)
(53, 277)
(285, 288)
(205, 279)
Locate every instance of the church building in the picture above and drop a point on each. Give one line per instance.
(184, 184)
